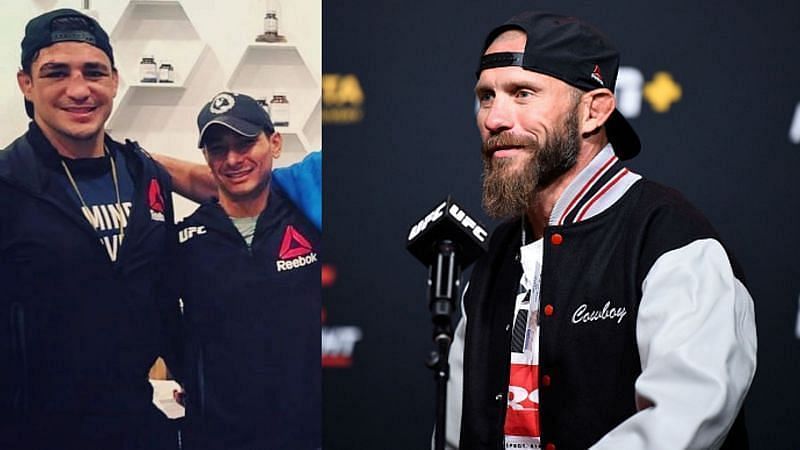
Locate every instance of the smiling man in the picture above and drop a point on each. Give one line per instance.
(607, 314)
(85, 226)
(249, 276)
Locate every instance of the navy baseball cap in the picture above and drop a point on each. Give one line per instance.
(61, 25)
(238, 112)
(572, 51)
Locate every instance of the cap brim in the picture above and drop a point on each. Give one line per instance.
(622, 136)
(236, 125)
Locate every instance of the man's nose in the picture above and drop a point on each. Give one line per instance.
(232, 157)
(78, 87)
(498, 117)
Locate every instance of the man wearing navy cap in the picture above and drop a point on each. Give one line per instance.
(85, 227)
(300, 182)
(607, 314)
(248, 271)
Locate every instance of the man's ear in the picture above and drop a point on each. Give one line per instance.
(25, 83)
(276, 142)
(598, 105)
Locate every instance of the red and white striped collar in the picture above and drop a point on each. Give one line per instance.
(598, 186)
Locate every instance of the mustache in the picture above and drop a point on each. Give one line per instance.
(507, 139)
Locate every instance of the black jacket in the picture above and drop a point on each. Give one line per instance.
(78, 333)
(252, 317)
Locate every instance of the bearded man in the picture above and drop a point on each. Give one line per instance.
(606, 314)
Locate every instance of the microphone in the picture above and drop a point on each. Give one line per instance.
(446, 240)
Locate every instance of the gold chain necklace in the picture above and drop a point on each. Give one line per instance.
(116, 191)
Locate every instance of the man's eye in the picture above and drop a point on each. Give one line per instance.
(53, 74)
(524, 93)
(94, 74)
(485, 97)
(244, 146)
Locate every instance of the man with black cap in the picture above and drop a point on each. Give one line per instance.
(85, 226)
(248, 272)
(607, 313)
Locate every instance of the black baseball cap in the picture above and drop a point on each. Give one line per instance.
(239, 112)
(572, 51)
(61, 25)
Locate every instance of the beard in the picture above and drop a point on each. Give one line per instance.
(508, 191)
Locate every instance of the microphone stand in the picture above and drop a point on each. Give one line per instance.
(443, 284)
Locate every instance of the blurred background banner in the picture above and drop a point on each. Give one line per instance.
(712, 89)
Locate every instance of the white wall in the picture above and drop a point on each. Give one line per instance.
(225, 27)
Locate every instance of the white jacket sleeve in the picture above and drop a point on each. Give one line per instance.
(697, 344)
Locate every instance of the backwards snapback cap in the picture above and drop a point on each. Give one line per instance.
(61, 25)
(238, 112)
(575, 53)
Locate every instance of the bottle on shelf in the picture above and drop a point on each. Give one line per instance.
(271, 24)
(147, 70)
(279, 109)
(166, 72)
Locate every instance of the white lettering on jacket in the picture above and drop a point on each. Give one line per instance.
(581, 314)
(300, 261)
(190, 232)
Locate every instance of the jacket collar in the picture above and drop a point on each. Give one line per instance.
(213, 216)
(29, 160)
(32, 164)
(598, 186)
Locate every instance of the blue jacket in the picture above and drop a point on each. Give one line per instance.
(302, 183)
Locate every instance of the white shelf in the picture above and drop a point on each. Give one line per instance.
(155, 2)
(266, 68)
(145, 106)
(156, 85)
(158, 28)
(163, 29)
(295, 147)
(273, 45)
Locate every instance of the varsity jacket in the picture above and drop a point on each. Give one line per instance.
(647, 334)
(78, 333)
(252, 321)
